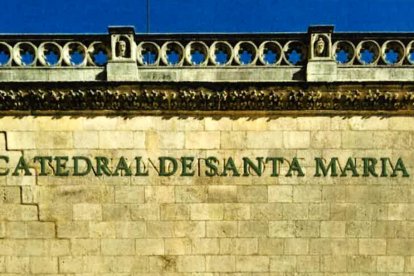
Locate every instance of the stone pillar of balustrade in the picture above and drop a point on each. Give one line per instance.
(321, 66)
(123, 65)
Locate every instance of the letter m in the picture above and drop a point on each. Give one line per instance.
(320, 166)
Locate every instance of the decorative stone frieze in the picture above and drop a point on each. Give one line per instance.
(205, 98)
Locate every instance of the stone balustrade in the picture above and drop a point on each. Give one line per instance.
(122, 70)
(320, 55)
(229, 50)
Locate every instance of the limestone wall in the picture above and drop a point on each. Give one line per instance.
(200, 225)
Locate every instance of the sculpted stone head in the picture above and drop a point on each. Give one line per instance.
(122, 47)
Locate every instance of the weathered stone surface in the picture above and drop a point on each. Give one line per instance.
(245, 225)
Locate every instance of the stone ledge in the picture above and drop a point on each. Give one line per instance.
(173, 97)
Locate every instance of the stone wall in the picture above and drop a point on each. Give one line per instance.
(153, 225)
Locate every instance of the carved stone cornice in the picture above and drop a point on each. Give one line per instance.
(177, 98)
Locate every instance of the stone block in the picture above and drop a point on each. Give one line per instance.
(358, 140)
(233, 211)
(267, 211)
(191, 229)
(115, 212)
(55, 212)
(149, 246)
(2, 229)
(139, 141)
(307, 228)
(283, 123)
(221, 263)
(222, 194)
(70, 264)
(401, 123)
(54, 140)
(246, 246)
(401, 247)
(308, 263)
(117, 140)
(117, 247)
(205, 246)
(63, 123)
(101, 123)
(21, 140)
(361, 264)
(221, 229)
(283, 263)
(10, 195)
(57, 247)
(15, 230)
(202, 140)
(29, 195)
(102, 229)
(175, 212)
(319, 211)
(17, 264)
(41, 229)
(409, 264)
(130, 229)
(223, 123)
(333, 264)
(171, 140)
(307, 193)
(187, 194)
(122, 71)
(159, 194)
(81, 247)
(252, 263)
(342, 246)
(129, 194)
(271, 246)
(15, 212)
(160, 229)
(320, 246)
(264, 140)
(250, 124)
(86, 139)
(191, 263)
(296, 246)
(233, 139)
(295, 211)
(372, 246)
(90, 193)
(163, 264)
(368, 123)
(333, 194)
(75, 229)
(85, 211)
(256, 194)
(313, 123)
(321, 71)
(253, 229)
(359, 229)
(46, 265)
(280, 193)
(296, 139)
(326, 139)
(22, 180)
(145, 211)
(207, 211)
(333, 229)
(281, 229)
(177, 246)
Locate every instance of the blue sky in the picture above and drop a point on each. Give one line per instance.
(175, 16)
